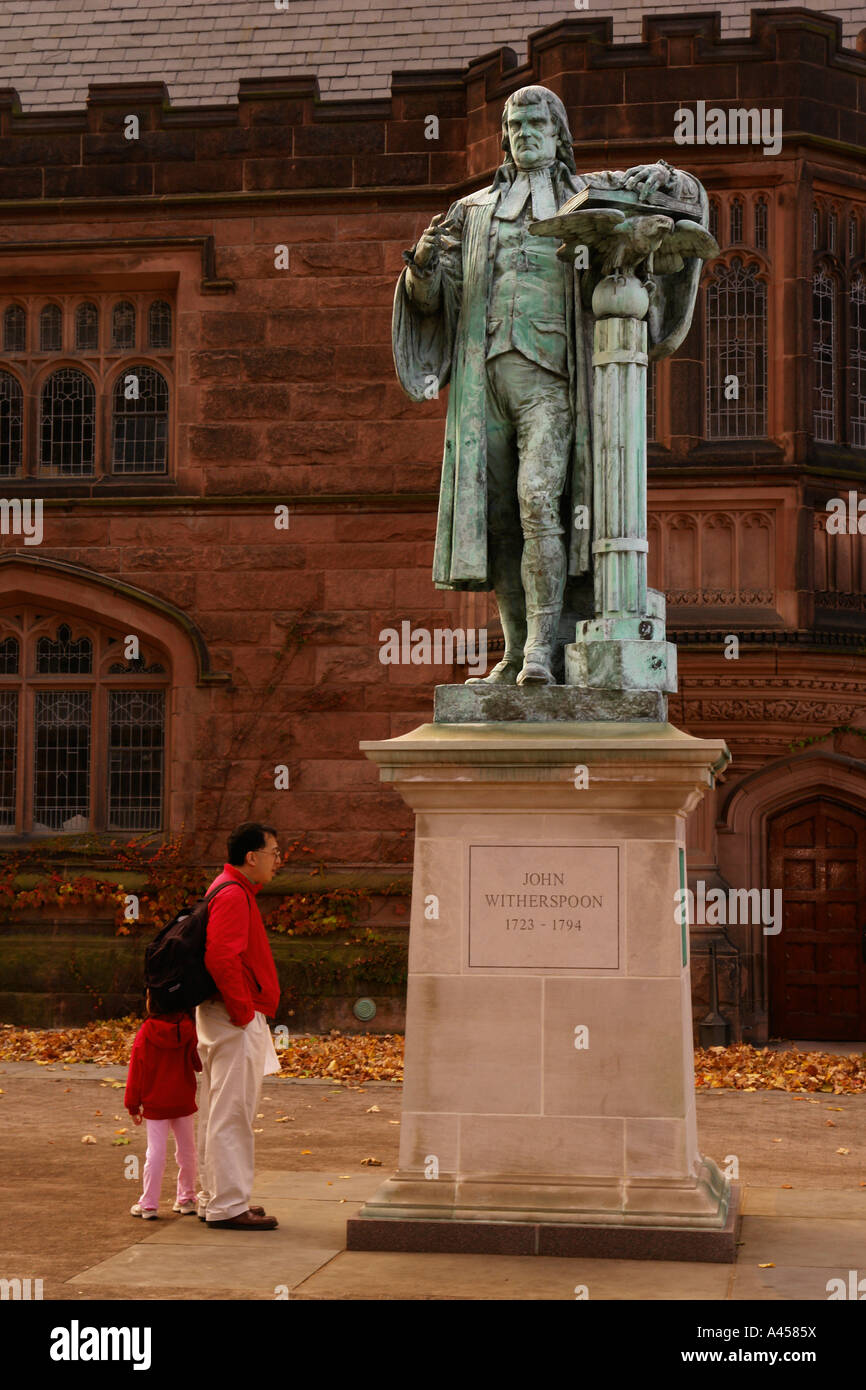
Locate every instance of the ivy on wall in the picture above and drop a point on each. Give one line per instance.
(829, 733)
(336, 953)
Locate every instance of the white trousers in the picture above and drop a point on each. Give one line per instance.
(234, 1062)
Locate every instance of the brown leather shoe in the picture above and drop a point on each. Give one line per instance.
(256, 1211)
(248, 1221)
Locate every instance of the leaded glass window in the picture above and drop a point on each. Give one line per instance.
(9, 656)
(63, 657)
(86, 328)
(68, 424)
(123, 325)
(14, 329)
(736, 353)
(83, 732)
(11, 425)
(159, 324)
(140, 422)
(61, 770)
(761, 224)
(50, 329)
(824, 353)
(857, 361)
(136, 747)
(8, 756)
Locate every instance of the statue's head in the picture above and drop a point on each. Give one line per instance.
(535, 129)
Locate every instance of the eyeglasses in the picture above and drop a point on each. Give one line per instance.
(277, 853)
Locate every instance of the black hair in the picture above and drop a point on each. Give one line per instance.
(249, 835)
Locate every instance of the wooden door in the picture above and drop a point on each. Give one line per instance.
(817, 963)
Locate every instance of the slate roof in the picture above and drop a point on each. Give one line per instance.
(51, 49)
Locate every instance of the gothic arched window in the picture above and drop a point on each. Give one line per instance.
(82, 735)
(857, 361)
(123, 325)
(14, 329)
(714, 218)
(761, 224)
(140, 421)
(11, 424)
(736, 352)
(86, 328)
(68, 423)
(159, 324)
(736, 221)
(50, 329)
(825, 354)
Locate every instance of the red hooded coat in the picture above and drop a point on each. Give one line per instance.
(162, 1068)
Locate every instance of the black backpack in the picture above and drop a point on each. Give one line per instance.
(174, 969)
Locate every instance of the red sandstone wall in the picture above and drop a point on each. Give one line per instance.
(285, 389)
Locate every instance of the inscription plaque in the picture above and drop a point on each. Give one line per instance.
(544, 907)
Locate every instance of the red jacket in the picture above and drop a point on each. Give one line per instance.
(162, 1068)
(238, 954)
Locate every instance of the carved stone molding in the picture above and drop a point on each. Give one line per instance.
(785, 711)
(814, 686)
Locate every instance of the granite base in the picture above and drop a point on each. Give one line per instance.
(455, 1237)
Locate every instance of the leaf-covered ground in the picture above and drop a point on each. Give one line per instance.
(361, 1057)
(744, 1068)
(335, 1056)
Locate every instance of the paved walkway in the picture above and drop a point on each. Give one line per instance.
(801, 1161)
(805, 1237)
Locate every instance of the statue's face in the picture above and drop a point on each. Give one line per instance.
(532, 135)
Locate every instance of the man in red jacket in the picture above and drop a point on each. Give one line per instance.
(234, 1040)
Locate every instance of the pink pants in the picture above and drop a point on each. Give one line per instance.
(154, 1163)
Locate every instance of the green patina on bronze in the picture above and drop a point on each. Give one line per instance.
(486, 304)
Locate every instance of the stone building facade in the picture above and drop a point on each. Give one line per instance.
(196, 383)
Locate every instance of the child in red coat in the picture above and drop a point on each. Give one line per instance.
(161, 1089)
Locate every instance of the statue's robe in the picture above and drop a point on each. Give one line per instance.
(450, 345)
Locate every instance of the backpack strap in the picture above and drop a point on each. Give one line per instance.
(230, 883)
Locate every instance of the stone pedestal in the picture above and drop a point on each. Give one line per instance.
(549, 1103)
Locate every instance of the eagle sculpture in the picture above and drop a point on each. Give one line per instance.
(627, 242)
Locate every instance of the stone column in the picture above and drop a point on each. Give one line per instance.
(623, 648)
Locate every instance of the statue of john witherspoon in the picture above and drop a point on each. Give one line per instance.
(486, 305)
